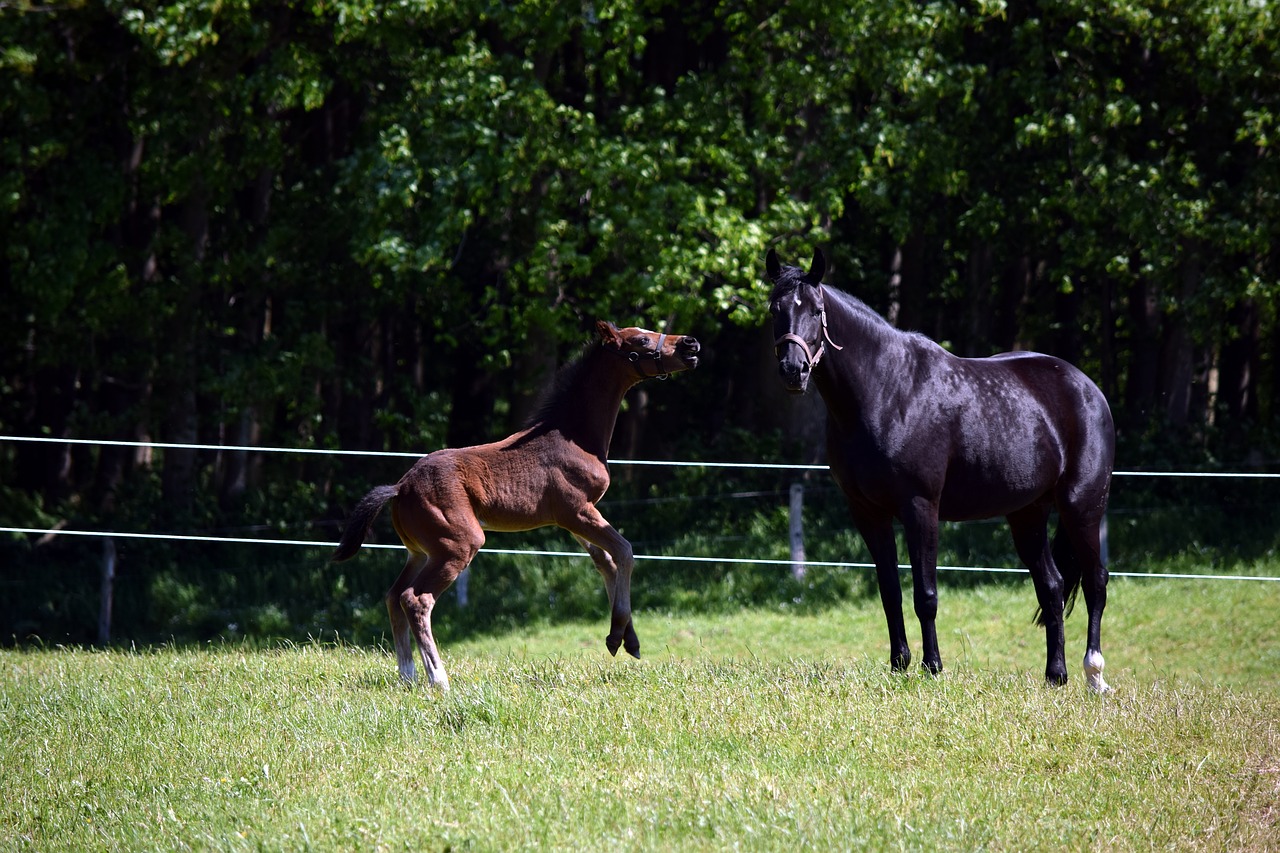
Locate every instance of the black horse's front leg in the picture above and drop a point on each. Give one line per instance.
(878, 536)
(920, 522)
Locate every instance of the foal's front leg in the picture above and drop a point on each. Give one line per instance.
(609, 572)
(614, 560)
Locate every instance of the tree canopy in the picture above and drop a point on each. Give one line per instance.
(357, 224)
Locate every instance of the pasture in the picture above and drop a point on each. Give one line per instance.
(760, 730)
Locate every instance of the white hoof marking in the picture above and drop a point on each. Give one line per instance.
(1093, 666)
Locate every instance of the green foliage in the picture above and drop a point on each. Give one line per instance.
(366, 225)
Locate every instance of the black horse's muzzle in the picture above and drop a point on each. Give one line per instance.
(796, 360)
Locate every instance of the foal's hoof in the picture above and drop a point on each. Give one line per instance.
(631, 642)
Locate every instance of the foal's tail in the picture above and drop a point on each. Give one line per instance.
(361, 520)
(1064, 557)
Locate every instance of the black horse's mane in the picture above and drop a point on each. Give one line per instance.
(859, 308)
(791, 278)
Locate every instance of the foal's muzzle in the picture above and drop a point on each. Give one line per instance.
(687, 349)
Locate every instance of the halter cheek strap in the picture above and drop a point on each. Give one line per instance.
(810, 356)
(639, 360)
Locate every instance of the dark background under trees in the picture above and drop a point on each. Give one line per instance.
(377, 226)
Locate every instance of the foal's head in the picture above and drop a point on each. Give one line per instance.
(650, 353)
(799, 319)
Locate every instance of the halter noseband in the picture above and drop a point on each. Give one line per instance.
(639, 360)
(810, 356)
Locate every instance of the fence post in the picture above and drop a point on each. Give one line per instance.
(106, 591)
(797, 531)
(460, 584)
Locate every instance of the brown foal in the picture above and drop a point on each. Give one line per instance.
(552, 472)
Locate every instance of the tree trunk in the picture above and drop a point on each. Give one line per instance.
(1241, 362)
(1177, 359)
(182, 377)
(1144, 354)
(978, 302)
(42, 467)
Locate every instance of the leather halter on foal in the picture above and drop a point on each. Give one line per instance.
(639, 360)
(811, 357)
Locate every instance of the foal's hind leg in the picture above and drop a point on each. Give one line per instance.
(400, 630)
(614, 560)
(1031, 539)
(419, 598)
(449, 540)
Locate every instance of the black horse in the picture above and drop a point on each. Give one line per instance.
(918, 434)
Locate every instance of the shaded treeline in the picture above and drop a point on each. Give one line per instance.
(382, 226)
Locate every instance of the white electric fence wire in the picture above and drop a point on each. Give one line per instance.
(535, 553)
(240, 448)
(656, 557)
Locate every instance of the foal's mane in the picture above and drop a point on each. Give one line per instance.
(558, 392)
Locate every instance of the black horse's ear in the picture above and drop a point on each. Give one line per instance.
(817, 268)
(771, 266)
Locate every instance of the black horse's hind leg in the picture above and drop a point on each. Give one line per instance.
(920, 523)
(878, 536)
(1031, 539)
(1084, 537)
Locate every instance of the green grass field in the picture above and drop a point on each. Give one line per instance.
(759, 730)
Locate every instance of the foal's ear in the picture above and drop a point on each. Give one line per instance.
(817, 267)
(771, 266)
(608, 333)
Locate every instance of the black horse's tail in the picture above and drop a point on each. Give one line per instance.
(361, 520)
(1064, 557)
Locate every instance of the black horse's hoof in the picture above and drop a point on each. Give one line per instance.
(900, 663)
(612, 643)
(631, 642)
(933, 667)
(1055, 679)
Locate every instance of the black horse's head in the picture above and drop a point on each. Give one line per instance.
(799, 319)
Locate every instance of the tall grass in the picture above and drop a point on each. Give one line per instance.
(765, 729)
